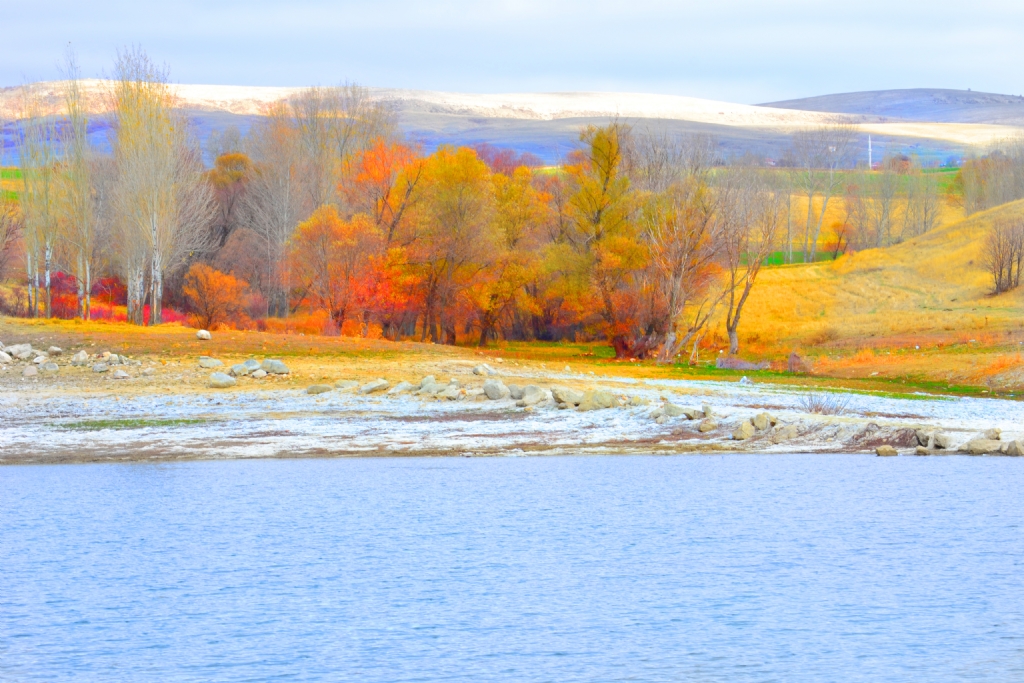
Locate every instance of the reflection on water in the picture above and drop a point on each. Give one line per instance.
(709, 568)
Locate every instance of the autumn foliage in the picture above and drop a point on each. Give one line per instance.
(215, 298)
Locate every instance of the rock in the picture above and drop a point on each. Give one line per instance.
(597, 400)
(940, 440)
(148, 372)
(982, 447)
(637, 401)
(274, 367)
(693, 413)
(345, 384)
(453, 393)
(921, 450)
(238, 370)
(207, 362)
(661, 419)
(532, 395)
(375, 385)
(785, 433)
(515, 391)
(121, 374)
(708, 412)
(567, 397)
(746, 381)
(16, 350)
(5, 358)
(219, 380)
(100, 367)
(252, 364)
(80, 358)
(885, 450)
(744, 430)
(259, 374)
(427, 381)
(49, 367)
(318, 389)
(707, 425)
(495, 389)
(672, 410)
(203, 335)
(54, 351)
(993, 434)
(567, 369)
(40, 359)
(1015, 447)
(763, 421)
(401, 387)
(925, 438)
(30, 371)
(484, 369)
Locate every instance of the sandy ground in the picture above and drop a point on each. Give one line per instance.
(165, 410)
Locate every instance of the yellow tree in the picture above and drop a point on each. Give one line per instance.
(457, 239)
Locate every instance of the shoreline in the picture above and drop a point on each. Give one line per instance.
(95, 424)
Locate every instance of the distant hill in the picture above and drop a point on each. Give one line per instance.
(547, 124)
(918, 104)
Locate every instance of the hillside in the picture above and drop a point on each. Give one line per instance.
(918, 104)
(918, 309)
(547, 123)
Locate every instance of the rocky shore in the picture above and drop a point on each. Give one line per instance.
(103, 406)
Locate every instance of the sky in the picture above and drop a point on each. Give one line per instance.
(744, 51)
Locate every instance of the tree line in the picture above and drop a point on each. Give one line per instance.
(638, 238)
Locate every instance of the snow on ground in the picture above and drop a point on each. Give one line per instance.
(253, 100)
(289, 423)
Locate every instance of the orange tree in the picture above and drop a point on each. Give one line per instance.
(332, 258)
(213, 296)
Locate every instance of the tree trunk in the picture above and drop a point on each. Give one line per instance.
(48, 256)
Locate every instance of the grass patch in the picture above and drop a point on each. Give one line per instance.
(125, 423)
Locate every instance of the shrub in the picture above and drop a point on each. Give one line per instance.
(215, 297)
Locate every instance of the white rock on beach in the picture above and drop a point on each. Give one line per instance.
(319, 389)
(207, 362)
(100, 367)
(401, 387)
(495, 389)
(120, 374)
(374, 386)
(4, 358)
(30, 371)
(49, 367)
(219, 380)
(274, 367)
(80, 358)
(203, 335)
(259, 374)
(345, 384)
(54, 351)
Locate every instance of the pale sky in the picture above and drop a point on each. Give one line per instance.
(736, 50)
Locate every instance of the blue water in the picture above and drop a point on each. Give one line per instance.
(699, 568)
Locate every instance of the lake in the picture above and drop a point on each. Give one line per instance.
(695, 568)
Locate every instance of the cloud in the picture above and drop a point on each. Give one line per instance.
(738, 50)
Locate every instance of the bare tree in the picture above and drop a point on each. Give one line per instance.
(38, 158)
(821, 153)
(1004, 253)
(273, 199)
(78, 209)
(753, 215)
(333, 124)
(681, 223)
(164, 203)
